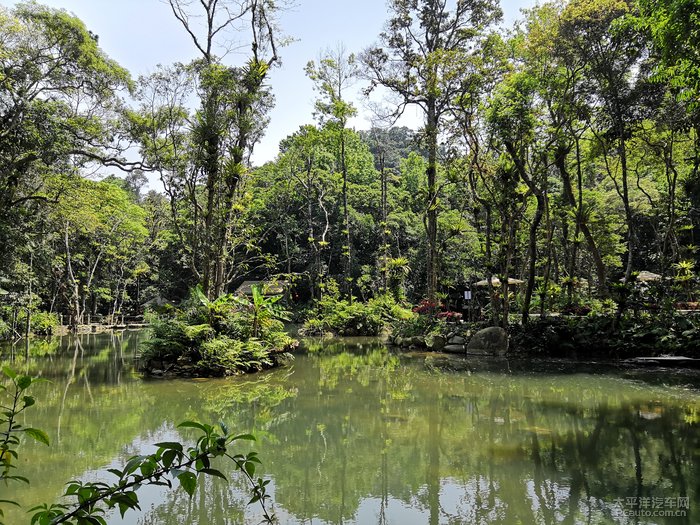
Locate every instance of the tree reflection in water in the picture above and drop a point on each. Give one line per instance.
(352, 433)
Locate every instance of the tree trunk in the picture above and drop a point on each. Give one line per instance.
(431, 200)
(560, 162)
(75, 290)
(346, 214)
(537, 219)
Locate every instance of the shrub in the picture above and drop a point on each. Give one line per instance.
(313, 326)
(216, 337)
(4, 329)
(594, 336)
(42, 323)
(341, 317)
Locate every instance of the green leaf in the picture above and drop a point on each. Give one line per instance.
(249, 437)
(148, 467)
(37, 435)
(213, 472)
(188, 481)
(28, 401)
(23, 382)
(192, 424)
(169, 457)
(250, 468)
(9, 372)
(170, 445)
(133, 464)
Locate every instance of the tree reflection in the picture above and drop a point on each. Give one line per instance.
(354, 433)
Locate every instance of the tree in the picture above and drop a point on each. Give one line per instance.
(203, 158)
(610, 51)
(96, 224)
(426, 50)
(333, 74)
(674, 28)
(59, 109)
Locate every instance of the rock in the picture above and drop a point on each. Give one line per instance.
(489, 341)
(457, 340)
(435, 342)
(454, 349)
(418, 341)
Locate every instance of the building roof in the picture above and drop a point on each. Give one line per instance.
(495, 281)
(268, 287)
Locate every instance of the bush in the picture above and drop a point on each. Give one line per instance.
(223, 355)
(42, 323)
(594, 336)
(341, 317)
(216, 337)
(4, 330)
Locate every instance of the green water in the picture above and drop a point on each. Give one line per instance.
(353, 433)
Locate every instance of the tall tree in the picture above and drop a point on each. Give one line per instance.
(59, 101)
(425, 50)
(611, 52)
(334, 73)
(204, 157)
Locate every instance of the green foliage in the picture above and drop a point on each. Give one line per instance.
(594, 336)
(85, 503)
(11, 429)
(342, 317)
(223, 354)
(674, 28)
(42, 323)
(219, 337)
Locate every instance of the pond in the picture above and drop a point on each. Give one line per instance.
(352, 432)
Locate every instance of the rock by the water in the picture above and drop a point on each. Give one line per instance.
(454, 349)
(418, 341)
(435, 342)
(457, 340)
(489, 341)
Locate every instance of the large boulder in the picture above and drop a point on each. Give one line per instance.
(489, 341)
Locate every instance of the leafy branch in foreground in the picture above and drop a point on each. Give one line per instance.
(171, 461)
(10, 430)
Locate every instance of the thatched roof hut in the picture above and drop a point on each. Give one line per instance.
(268, 288)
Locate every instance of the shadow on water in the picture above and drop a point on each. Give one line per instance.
(354, 433)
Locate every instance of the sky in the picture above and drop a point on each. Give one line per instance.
(140, 34)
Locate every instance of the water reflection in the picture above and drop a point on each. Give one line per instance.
(351, 433)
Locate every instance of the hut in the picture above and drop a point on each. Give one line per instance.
(268, 287)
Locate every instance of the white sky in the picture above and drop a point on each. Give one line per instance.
(140, 34)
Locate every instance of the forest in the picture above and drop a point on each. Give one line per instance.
(558, 163)
(548, 206)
